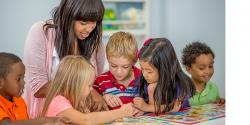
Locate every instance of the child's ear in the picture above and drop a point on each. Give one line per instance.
(188, 69)
(133, 63)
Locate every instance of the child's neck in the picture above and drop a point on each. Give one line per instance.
(127, 80)
(8, 98)
(200, 86)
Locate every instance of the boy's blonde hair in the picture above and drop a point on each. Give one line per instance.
(122, 44)
(74, 73)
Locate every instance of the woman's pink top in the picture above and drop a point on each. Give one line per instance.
(38, 52)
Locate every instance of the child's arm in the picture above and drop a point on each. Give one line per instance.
(38, 121)
(142, 105)
(99, 102)
(151, 89)
(112, 100)
(98, 117)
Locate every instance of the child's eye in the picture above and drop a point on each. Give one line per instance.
(18, 79)
(83, 23)
(201, 68)
(125, 67)
(113, 66)
(211, 66)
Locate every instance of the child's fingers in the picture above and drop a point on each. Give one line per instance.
(137, 98)
(112, 103)
(222, 101)
(135, 110)
(105, 107)
(119, 101)
(116, 100)
(109, 102)
(65, 120)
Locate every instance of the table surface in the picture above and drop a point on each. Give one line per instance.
(211, 114)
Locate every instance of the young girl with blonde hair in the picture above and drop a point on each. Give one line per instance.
(69, 95)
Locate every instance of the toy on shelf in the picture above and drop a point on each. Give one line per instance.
(110, 15)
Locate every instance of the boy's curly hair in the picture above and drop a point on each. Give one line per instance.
(191, 51)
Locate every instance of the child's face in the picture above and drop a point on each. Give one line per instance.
(88, 89)
(149, 72)
(120, 67)
(203, 69)
(13, 84)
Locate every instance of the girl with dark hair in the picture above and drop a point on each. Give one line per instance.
(76, 29)
(163, 86)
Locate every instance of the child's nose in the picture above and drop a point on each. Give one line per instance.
(119, 70)
(22, 82)
(207, 70)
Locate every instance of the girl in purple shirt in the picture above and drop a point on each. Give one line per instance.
(163, 86)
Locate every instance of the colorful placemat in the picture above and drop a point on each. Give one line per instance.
(195, 114)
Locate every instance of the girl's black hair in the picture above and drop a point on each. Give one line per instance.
(64, 17)
(160, 53)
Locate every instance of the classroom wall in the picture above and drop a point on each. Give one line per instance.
(16, 17)
(185, 21)
(181, 21)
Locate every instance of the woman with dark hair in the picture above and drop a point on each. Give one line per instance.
(76, 29)
(163, 86)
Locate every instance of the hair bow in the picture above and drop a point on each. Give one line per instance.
(146, 43)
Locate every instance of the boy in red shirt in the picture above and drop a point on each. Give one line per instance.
(117, 85)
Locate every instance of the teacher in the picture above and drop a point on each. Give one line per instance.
(76, 29)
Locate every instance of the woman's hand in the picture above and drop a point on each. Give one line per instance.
(112, 100)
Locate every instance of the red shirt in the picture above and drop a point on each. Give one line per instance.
(107, 84)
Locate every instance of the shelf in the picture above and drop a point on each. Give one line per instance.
(131, 16)
(128, 1)
(123, 22)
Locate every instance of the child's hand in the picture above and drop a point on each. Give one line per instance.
(139, 103)
(140, 112)
(129, 110)
(220, 101)
(112, 100)
(177, 106)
